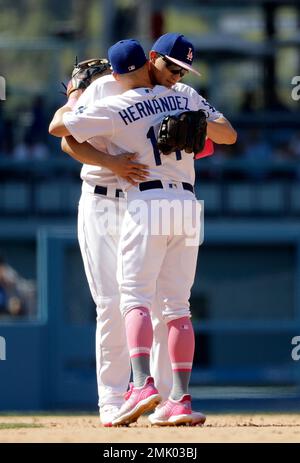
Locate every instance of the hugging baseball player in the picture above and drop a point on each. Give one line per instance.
(128, 122)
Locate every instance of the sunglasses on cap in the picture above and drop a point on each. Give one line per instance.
(173, 68)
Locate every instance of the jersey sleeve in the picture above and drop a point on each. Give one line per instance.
(90, 121)
(211, 111)
(198, 102)
(87, 97)
(100, 88)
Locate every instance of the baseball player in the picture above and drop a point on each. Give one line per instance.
(99, 251)
(112, 359)
(165, 72)
(169, 76)
(128, 121)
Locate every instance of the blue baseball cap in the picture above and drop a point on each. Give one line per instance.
(176, 48)
(126, 56)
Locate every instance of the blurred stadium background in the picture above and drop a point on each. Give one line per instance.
(246, 298)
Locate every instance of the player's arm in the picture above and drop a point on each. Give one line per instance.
(57, 127)
(85, 124)
(221, 131)
(84, 73)
(84, 152)
(122, 165)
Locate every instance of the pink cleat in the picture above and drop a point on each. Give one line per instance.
(198, 418)
(107, 414)
(177, 412)
(138, 401)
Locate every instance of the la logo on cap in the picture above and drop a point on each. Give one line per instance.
(190, 55)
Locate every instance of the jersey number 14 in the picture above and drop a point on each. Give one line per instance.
(156, 152)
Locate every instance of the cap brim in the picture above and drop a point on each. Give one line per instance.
(183, 65)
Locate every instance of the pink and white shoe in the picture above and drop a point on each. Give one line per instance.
(176, 412)
(138, 401)
(198, 418)
(107, 414)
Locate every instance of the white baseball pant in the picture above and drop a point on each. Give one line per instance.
(156, 253)
(98, 235)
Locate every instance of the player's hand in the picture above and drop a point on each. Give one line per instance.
(124, 166)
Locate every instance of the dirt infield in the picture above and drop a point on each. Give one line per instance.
(86, 428)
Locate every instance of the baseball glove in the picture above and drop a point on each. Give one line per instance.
(185, 131)
(84, 72)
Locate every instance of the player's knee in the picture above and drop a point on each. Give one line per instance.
(125, 309)
(107, 307)
(170, 314)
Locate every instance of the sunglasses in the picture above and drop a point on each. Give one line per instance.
(173, 68)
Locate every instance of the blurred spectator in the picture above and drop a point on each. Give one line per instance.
(249, 103)
(277, 104)
(3, 296)
(30, 148)
(38, 130)
(283, 152)
(292, 151)
(6, 135)
(259, 153)
(17, 295)
(257, 146)
(252, 102)
(1, 121)
(294, 145)
(124, 22)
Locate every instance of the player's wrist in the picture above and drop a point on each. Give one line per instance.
(109, 161)
(73, 98)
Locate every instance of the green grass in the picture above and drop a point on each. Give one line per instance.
(37, 413)
(19, 425)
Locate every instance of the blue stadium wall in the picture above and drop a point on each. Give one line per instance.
(245, 304)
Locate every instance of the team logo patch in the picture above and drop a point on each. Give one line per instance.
(80, 110)
(131, 68)
(190, 55)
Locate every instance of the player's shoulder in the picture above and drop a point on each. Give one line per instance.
(183, 88)
(104, 80)
(106, 85)
(102, 87)
(109, 100)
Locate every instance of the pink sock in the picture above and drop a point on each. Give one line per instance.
(181, 344)
(139, 331)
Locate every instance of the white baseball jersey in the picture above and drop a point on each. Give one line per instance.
(100, 88)
(130, 122)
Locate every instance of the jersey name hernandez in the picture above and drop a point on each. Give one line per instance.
(159, 105)
(130, 122)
